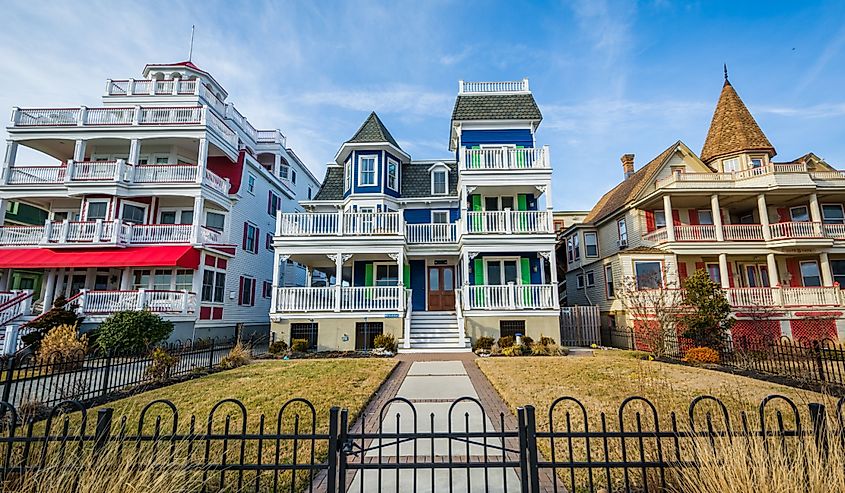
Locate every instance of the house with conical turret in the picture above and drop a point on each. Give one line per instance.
(770, 232)
(436, 253)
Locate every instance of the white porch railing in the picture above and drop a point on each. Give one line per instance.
(21, 235)
(371, 224)
(307, 224)
(811, 296)
(180, 115)
(164, 173)
(35, 175)
(796, 230)
(159, 233)
(104, 232)
(835, 231)
(335, 298)
(431, 233)
(784, 296)
(503, 158)
(510, 297)
(509, 222)
(726, 180)
(751, 297)
(93, 170)
(657, 236)
(743, 232)
(83, 116)
(159, 301)
(695, 232)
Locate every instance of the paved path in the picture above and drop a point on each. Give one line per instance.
(432, 387)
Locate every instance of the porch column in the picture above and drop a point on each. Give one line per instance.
(197, 219)
(465, 266)
(307, 276)
(463, 197)
(49, 289)
(126, 279)
(277, 164)
(134, 151)
(670, 222)
(824, 265)
(815, 212)
(90, 275)
(723, 271)
(79, 150)
(202, 157)
(553, 267)
(8, 161)
(716, 212)
(774, 277)
(763, 210)
(274, 294)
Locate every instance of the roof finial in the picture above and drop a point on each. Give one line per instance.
(726, 72)
(191, 49)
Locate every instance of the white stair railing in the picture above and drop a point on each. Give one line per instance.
(406, 342)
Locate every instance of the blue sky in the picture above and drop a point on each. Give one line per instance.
(610, 77)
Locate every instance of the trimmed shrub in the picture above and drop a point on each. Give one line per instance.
(540, 349)
(299, 345)
(161, 366)
(527, 341)
(60, 314)
(385, 341)
(485, 343)
(278, 347)
(238, 356)
(702, 355)
(62, 348)
(506, 342)
(132, 331)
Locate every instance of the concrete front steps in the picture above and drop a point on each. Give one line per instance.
(434, 332)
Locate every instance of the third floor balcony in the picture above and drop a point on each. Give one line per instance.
(106, 233)
(793, 230)
(504, 158)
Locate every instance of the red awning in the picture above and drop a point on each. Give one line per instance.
(53, 258)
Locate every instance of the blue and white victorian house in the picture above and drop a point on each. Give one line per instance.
(435, 252)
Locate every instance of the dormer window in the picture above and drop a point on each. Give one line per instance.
(439, 182)
(366, 171)
(393, 175)
(730, 165)
(756, 162)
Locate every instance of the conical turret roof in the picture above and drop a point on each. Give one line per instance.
(733, 129)
(373, 130)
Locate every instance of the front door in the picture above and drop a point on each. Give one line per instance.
(441, 288)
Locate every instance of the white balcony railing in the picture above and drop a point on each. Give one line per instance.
(811, 296)
(95, 117)
(509, 222)
(93, 170)
(509, 86)
(657, 236)
(766, 297)
(308, 224)
(164, 173)
(159, 301)
(749, 232)
(371, 224)
(695, 232)
(796, 230)
(35, 175)
(151, 87)
(510, 297)
(729, 180)
(431, 233)
(336, 298)
(835, 231)
(70, 233)
(751, 297)
(743, 232)
(504, 158)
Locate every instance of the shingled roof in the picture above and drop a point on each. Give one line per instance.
(373, 130)
(415, 181)
(733, 129)
(496, 107)
(332, 187)
(628, 189)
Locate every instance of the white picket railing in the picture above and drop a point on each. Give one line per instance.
(159, 301)
(509, 222)
(796, 229)
(732, 176)
(372, 298)
(695, 232)
(307, 224)
(21, 235)
(431, 233)
(34, 175)
(835, 231)
(469, 87)
(510, 297)
(103, 232)
(145, 115)
(165, 173)
(334, 298)
(306, 299)
(743, 232)
(14, 304)
(371, 223)
(217, 183)
(657, 236)
(504, 158)
(45, 117)
(160, 233)
(810, 296)
(170, 115)
(109, 116)
(93, 170)
(751, 297)
(142, 87)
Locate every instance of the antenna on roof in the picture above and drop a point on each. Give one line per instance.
(726, 71)
(191, 49)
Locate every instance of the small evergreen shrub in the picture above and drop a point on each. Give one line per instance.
(485, 343)
(527, 341)
(161, 366)
(385, 341)
(132, 331)
(506, 342)
(62, 348)
(701, 355)
(238, 356)
(299, 345)
(278, 347)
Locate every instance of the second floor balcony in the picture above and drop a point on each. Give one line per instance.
(792, 230)
(106, 233)
(504, 158)
(305, 224)
(510, 222)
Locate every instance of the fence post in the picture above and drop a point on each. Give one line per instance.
(817, 354)
(531, 444)
(106, 374)
(819, 420)
(7, 382)
(334, 438)
(211, 355)
(523, 448)
(342, 450)
(102, 431)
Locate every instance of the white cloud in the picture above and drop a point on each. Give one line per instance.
(395, 98)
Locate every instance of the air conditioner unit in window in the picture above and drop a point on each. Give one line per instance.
(622, 243)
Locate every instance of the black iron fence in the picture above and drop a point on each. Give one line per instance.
(565, 449)
(32, 381)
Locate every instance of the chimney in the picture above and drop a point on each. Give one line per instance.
(628, 165)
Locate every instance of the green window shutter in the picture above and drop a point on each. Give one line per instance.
(478, 271)
(520, 157)
(477, 220)
(522, 205)
(406, 275)
(525, 274)
(369, 279)
(476, 159)
(475, 200)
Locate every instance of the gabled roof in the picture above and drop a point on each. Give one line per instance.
(496, 107)
(733, 129)
(415, 181)
(373, 130)
(629, 189)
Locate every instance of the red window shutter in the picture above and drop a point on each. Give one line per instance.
(730, 275)
(783, 216)
(649, 221)
(693, 216)
(241, 291)
(243, 242)
(794, 269)
(270, 203)
(255, 243)
(700, 266)
(676, 217)
(252, 300)
(682, 272)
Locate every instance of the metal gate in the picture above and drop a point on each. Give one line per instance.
(580, 326)
(411, 450)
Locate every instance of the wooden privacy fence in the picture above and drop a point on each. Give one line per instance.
(580, 326)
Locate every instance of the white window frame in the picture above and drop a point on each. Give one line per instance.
(445, 173)
(440, 211)
(590, 277)
(840, 220)
(818, 269)
(622, 230)
(388, 265)
(733, 161)
(361, 158)
(99, 201)
(347, 175)
(595, 235)
(250, 183)
(503, 260)
(123, 204)
(395, 185)
(178, 211)
(705, 211)
(659, 213)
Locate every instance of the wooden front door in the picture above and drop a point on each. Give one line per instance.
(441, 288)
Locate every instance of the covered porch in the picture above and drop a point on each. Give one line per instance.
(505, 281)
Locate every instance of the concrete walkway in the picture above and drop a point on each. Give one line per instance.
(432, 387)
